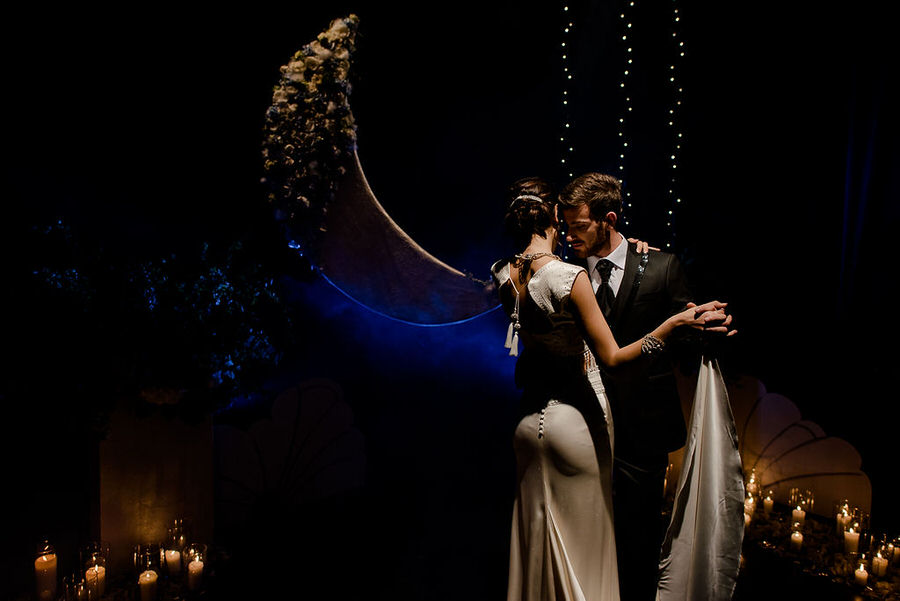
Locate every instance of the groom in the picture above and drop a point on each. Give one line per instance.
(637, 291)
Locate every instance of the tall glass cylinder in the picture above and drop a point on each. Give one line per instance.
(94, 564)
(45, 572)
(196, 563)
(173, 548)
(147, 569)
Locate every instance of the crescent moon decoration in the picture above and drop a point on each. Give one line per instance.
(330, 214)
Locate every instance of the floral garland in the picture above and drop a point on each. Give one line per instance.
(310, 133)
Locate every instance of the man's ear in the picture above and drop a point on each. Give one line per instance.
(611, 218)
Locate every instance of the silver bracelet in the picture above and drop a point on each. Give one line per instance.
(651, 345)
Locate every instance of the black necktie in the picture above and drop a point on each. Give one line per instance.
(605, 294)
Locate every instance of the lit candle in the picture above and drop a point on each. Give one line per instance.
(746, 519)
(96, 580)
(851, 541)
(173, 561)
(752, 486)
(749, 504)
(147, 583)
(862, 576)
(195, 574)
(796, 540)
(842, 519)
(768, 504)
(45, 575)
(798, 515)
(895, 553)
(879, 565)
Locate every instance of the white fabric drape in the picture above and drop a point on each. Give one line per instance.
(701, 550)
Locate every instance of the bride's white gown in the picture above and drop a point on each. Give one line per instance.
(563, 546)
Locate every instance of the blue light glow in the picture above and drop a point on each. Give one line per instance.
(397, 319)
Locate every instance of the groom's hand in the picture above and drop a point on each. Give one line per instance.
(714, 319)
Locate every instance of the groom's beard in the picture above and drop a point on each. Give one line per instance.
(600, 245)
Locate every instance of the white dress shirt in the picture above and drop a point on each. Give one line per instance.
(617, 258)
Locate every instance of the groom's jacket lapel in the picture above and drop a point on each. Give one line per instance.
(627, 289)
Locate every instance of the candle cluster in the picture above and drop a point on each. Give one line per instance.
(173, 563)
(863, 558)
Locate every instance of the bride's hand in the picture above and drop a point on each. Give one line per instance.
(709, 316)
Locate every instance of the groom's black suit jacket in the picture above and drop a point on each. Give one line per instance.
(646, 408)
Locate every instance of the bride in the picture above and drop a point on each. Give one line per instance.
(563, 545)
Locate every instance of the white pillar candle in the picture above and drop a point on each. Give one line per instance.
(841, 521)
(768, 504)
(798, 515)
(862, 576)
(173, 561)
(851, 541)
(147, 583)
(95, 577)
(896, 555)
(879, 565)
(45, 576)
(796, 541)
(195, 574)
(746, 519)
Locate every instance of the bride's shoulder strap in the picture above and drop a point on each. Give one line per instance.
(552, 284)
(564, 275)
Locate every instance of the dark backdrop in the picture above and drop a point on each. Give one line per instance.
(142, 130)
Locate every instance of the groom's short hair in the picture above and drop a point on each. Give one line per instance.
(600, 192)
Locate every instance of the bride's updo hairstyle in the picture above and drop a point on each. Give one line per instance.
(530, 211)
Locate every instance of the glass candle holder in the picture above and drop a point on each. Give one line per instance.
(801, 503)
(76, 589)
(173, 547)
(861, 575)
(749, 504)
(796, 536)
(94, 563)
(880, 557)
(45, 571)
(181, 532)
(808, 502)
(195, 558)
(752, 485)
(842, 516)
(851, 537)
(147, 568)
(768, 502)
(865, 531)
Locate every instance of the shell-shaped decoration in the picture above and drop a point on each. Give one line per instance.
(307, 451)
(787, 451)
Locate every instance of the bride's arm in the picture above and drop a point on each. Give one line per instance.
(600, 338)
